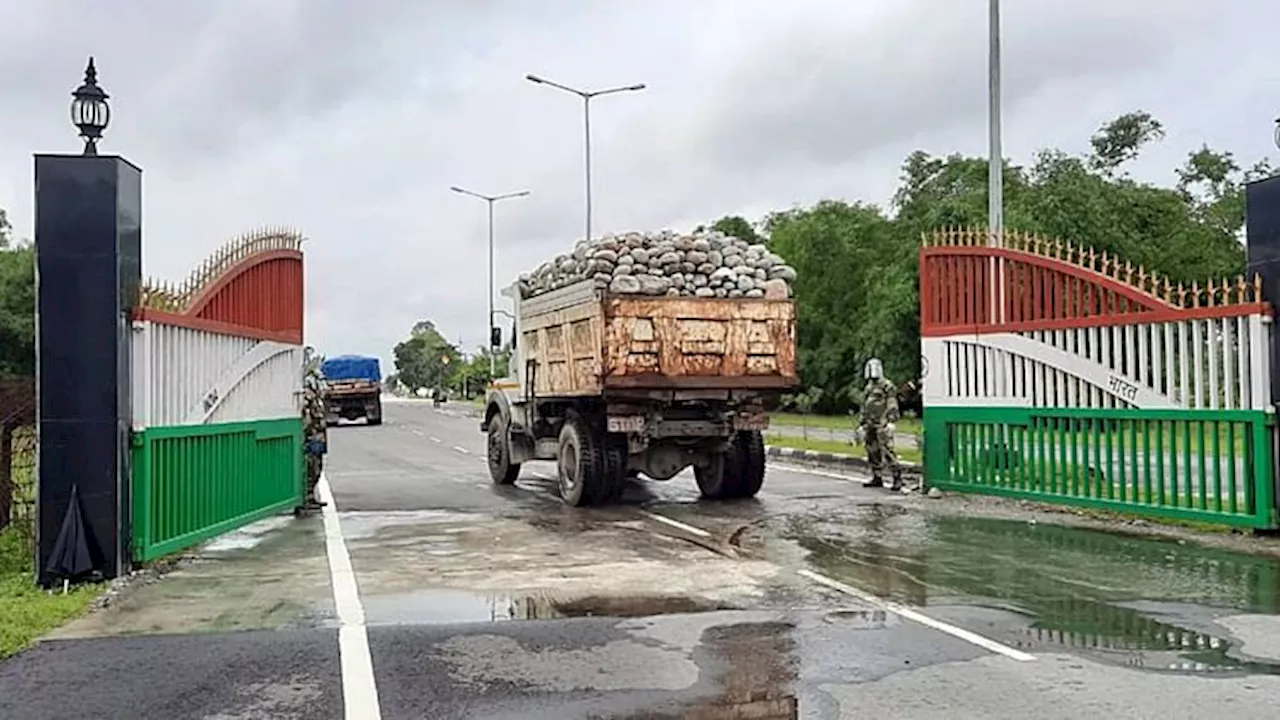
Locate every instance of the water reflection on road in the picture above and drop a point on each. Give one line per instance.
(1136, 601)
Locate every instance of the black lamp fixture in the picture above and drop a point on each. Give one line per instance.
(89, 110)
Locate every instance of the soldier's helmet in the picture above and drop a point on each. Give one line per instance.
(873, 370)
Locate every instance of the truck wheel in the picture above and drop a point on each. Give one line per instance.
(615, 468)
(715, 479)
(501, 469)
(751, 458)
(373, 420)
(579, 465)
(738, 473)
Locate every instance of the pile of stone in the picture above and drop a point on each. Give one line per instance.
(705, 264)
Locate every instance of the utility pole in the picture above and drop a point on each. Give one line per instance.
(586, 96)
(490, 200)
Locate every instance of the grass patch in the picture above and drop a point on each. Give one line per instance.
(911, 455)
(906, 425)
(26, 611)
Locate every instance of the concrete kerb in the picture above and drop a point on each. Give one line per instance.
(838, 461)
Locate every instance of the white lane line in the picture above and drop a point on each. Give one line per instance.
(676, 524)
(359, 688)
(432, 438)
(918, 617)
(461, 449)
(415, 431)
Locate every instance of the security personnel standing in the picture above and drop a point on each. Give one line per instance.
(879, 413)
(315, 430)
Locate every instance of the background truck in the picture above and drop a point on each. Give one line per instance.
(613, 386)
(353, 388)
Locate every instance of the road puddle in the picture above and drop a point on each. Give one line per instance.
(447, 606)
(1142, 602)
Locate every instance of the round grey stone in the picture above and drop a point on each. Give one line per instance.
(625, 285)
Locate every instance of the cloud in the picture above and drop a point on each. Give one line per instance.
(350, 121)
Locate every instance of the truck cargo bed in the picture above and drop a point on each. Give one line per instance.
(580, 341)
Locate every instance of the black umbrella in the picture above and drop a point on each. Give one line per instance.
(75, 554)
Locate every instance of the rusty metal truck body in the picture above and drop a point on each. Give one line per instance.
(612, 387)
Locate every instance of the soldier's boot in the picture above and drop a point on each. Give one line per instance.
(897, 480)
(875, 482)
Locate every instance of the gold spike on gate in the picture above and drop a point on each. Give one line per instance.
(1257, 287)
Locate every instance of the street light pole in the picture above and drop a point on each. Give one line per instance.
(586, 96)
(995, 157)
(490, 200)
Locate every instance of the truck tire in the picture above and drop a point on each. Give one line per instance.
(751, 458)
(579, 464)
(714, 480)
(615, 468)
(498, 454)
(738, 472)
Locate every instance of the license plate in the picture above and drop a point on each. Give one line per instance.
(625, 424)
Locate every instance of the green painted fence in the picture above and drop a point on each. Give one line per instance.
(194, 482)
(1211, 466)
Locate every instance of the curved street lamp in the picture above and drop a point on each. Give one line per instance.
(490, 200)
(586, 96)
(89, 109)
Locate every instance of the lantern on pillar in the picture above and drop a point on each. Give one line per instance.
(89, 109)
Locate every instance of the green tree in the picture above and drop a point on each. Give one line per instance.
(855, 292)
(425, 359)
(17, 304)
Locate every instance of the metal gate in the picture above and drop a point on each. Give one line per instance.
(1056, 373)
(217, 377)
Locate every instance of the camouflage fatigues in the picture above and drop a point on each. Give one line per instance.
(315, 430)
(879, 409)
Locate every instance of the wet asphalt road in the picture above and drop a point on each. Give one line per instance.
(710, 617)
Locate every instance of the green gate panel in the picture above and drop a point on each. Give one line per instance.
(1212, 466)
(194, 482)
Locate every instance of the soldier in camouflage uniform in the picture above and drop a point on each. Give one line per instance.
(879, 413)
(315, 431)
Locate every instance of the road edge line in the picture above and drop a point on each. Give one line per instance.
(359, 686)
(920, 618)
(676, 524)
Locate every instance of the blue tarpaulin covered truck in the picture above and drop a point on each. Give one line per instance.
(353, 388)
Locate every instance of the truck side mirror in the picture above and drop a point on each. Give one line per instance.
(495, 337)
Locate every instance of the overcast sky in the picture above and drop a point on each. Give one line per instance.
(350, 120)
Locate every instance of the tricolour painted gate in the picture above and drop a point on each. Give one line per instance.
(217, 365)
(1054, 373)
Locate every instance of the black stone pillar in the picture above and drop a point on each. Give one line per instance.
(89, 264)
(1262, 228)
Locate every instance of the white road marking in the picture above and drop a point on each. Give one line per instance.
(415, 431)
(359, 688)
(461, 449)
(433, 439)
(542, 476)
(676, 524)
(919, 617)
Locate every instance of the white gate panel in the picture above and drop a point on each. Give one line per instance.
(185, 376)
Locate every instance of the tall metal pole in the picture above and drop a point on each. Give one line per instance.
(586, 123)
(493, 358)
(995, 188)
(490, 200)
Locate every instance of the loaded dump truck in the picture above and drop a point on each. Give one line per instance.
(353, 389)
(615, 385)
